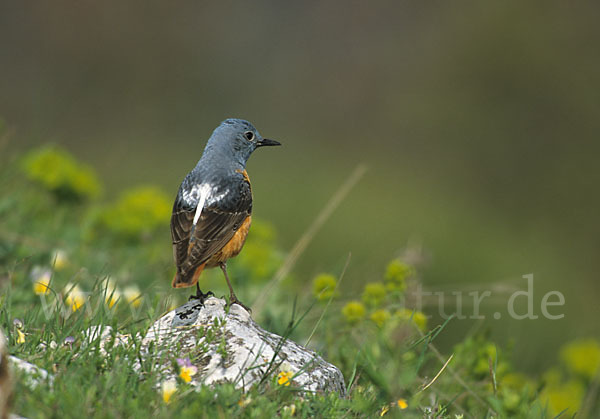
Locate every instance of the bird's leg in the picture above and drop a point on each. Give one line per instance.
(232, 298)
(200, 295)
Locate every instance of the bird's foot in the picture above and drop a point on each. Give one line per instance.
(234, 300)
(202, 297)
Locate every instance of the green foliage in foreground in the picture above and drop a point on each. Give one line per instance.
(69, 262)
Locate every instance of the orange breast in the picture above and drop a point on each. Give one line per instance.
(233, 247)
(245, 174)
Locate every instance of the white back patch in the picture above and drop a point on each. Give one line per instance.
(203, 192)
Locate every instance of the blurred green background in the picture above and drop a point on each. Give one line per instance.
(478, 121)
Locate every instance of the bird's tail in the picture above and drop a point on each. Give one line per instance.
(187, 279)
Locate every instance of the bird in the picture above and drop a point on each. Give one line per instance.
(212, 212)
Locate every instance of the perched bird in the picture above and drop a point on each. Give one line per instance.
(212, 211)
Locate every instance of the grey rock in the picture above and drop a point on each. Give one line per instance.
(32, 374)
(230, 347)
(106, 338)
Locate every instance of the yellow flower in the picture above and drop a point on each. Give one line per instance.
(75, 297)
(290, 409)
(564, 395)
(138, 211)
(379, 317)
(18, 325)
(168, 388)
(510, 398)
(41, 287)
(485, 352)
(186, 369)
(374, 293)
(384, 410)
(112, 294)
(418, 317)
(396, 274)
(284, 378)
(582, 357)
(60, 173)
(186, 373)
(133, 295)
(354, 311)
(59, 259)
(41, 280)
(324, 287)
(518, 382)
(20, 336)
(402, 404)
(244, 401)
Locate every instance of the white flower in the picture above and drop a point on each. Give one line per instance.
(75, 296)
(59, 259)
(41, 280)
(168, 388)
(133, 295)
(112, 294)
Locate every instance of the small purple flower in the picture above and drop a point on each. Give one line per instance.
(184, 362)
(69, 340)
(18, 323)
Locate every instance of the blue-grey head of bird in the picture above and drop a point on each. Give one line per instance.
(235, 140)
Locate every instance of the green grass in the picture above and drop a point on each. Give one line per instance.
(385, 349)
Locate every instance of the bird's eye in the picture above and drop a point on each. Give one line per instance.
(249, 135)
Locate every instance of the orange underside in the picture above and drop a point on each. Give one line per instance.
(233, 246)
(179, 282)
(231, 249)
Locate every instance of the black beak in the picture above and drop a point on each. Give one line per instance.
(266, 142)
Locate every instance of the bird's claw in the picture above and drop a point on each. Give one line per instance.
(234, 300)
(202, 297)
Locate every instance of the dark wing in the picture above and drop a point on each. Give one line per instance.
(181, 228)
(192, 246)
